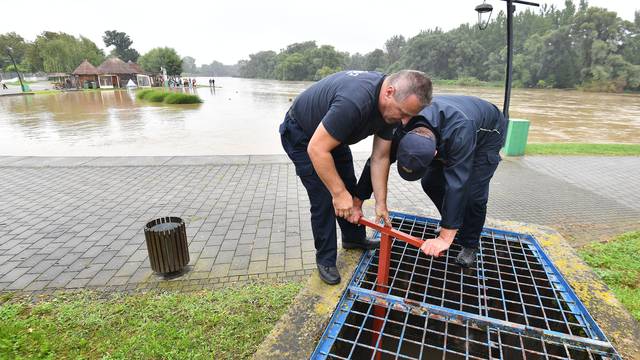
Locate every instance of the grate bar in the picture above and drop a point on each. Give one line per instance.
(461, 317)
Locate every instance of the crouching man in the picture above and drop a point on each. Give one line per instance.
(453, 147)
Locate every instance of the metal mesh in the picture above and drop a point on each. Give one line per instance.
(508, 282)
(409, 336)
(511, 282)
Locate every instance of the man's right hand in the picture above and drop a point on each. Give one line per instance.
(342, 203)
(356, 212)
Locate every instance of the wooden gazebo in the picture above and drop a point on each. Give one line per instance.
(115, 73)
(86, 73)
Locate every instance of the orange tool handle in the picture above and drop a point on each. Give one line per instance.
(412, 240)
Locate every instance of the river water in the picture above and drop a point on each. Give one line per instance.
(242, 115)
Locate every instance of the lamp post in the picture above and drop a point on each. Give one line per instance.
(10, 53)
(484, 11)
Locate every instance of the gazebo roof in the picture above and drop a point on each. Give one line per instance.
(136, 67)
(114, 65)
(85, 68)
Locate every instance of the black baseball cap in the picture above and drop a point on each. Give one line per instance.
(415, 152)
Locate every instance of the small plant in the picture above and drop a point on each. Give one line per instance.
(179, 98)
(156, 96)
(168, 97)
(142, 94)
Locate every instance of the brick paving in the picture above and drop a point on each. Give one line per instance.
(70, 223)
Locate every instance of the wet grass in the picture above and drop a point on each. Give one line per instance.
(180, 98)
(618, 263)
(167, 97)
(583, 149)
(223, 324)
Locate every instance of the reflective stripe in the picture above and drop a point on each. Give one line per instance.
(487, 130)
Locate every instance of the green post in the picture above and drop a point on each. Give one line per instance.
(516, 137)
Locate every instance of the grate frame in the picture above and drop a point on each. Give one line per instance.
(562, 323)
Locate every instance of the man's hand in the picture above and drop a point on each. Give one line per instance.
(343, 204)
(356, 211)
(382, 214)
(435, 247)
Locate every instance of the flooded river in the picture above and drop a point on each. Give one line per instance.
(241, 117)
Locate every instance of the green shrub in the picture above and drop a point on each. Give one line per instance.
(180, 98)
(156, 96)
(142, 94)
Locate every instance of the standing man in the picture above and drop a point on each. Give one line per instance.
(463, 136)
(323, 121)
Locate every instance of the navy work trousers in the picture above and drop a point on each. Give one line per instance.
(323, 219)
(485, 163)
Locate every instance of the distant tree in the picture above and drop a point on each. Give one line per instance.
(61, 52)
(189, 65)
(356, 62)
(159, 57)
(122, 43)
(375, 60)
(19, 47)
(394, 47)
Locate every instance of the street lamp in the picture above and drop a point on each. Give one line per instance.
(484, 8)
(10, 53)
(484, 15)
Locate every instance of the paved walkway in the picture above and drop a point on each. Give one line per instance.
(70, 223)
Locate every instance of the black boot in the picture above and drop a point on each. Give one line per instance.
(467, 257)
(365, 244)
(329, 274)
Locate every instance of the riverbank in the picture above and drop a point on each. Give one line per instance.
(583, 149)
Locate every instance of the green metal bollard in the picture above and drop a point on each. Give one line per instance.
(516, 137)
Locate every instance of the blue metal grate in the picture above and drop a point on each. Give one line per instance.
(513, 304)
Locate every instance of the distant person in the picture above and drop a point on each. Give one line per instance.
(193, 81)
(4, 86)
(453, 147)
(335, 112)
(213, 82)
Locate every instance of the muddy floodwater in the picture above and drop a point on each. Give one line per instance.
(242, 115)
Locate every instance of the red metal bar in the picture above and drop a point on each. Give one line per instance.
(412, 240)
(384, 261)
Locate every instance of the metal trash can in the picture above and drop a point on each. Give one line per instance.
(167, 244)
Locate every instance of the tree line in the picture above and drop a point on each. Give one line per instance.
(59, 52)
(576, 46)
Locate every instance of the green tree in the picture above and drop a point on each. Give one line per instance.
(394, 47)
(189, 65)
(159, 57)
(260, 65)
(61, 52)
(375, 60)
(19, 47)
(122, 43)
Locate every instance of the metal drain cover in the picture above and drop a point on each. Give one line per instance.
(514, 304)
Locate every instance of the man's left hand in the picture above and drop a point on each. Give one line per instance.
(435, 247)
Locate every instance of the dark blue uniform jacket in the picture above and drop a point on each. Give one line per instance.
(466, 129)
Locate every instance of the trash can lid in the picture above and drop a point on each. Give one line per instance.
(165, 226)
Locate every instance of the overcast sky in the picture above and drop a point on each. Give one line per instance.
(228, 31)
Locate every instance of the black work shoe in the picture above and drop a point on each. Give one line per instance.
(467, 257)
(329, 274)
(366, 244)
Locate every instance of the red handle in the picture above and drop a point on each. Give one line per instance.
(412, 240)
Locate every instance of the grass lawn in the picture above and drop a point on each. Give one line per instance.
(583, 149)
(220, 324)
(618, 263)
